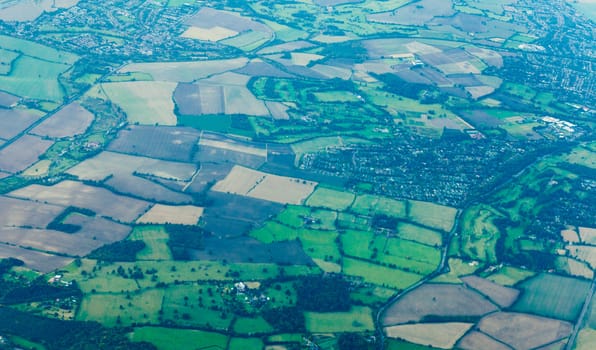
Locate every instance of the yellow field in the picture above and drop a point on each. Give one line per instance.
(583, 253)
(570, 236)
(174, 214)
(209, 34)
(588, 235)
(439, 335)
(303, 58)
(38, 169)
(257, 184)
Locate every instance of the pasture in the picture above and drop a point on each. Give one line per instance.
(35, 50)
(438, 335)
(256, 184)
(144, 102)
(173, 214)
(245, 343)
(510, 276)
(330, 199)
(71, 120)
(443, 300)
(379, 275)
(370, 205)
(552, 296)
(358, 319)
(434, 215)
(72, 193)
(22, 153)
(523, 331)
(107, 309)
(156, 239)
(186, 339)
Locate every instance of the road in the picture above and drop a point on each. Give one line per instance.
(581, 318)
(440, 270)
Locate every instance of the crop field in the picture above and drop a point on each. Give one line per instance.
(256, 184)
(585, 253)
(209, 34)
(379, 275)
(323, 143)
(110, 163)
(145, 102)
(367, 204)
(22, 153)
(13, 121)
(40, 168)
(174, 214)
(6, 99)
(185, 71)
(19, 212)
(439, 335)
(177, 144)
(553, 296)
(33, 259)
(33, 78)
(523, 331)
(186, 339)
(50, 241)
(232, 145)
(249, 40)
(358, 319)
(72, 193)
(137, 186)
(419, 234)
(69, 121)
(446, 300)
(574, 267)
(97, 228)
(32, 49)
(155, 238)
(331, 199)
(500, 295)
(478, 340)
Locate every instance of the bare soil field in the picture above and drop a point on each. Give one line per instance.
(209, 18)
(174, 214)
(245, 249)
(71, 120)
(49, 241)
(13, 121)
(252, 210)
(274, 188)
(7, 100)
(208, 173)
(439, 335)
(39, 261)
(445, 300)
(22, 153)
(72, 193)
(477, 340)
(524, 331)
(175, 143)
(217, 141)
(140, 187)
(208, 154)
(98, 228)
(500, 295)
(259, 68)
(20, 213)
(111, 163)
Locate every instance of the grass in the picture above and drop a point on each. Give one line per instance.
(553, 296)
(510, 276)
(246, 325)
(273, 232)
(396, 344)
(248, 41)
(155, 238)
(379, 275)
(39, 51)
(336, 96)
(479, 235)
(218, 123)
(331, 199)
(358, 319)
(457, 268)
(117, 309)
(245, 343)
(185, 339)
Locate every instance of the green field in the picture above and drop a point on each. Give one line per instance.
(434, 215)
(156, 239)
(118, 309)
(553, 296)
(379, 275)
(331, 199)
(419, 234)
(479, 234)
(39, 51)
(256, 325)
(358, 319)
(185, 339)
(510, 276)
(367, 204)
(33, 78)
(245, 343)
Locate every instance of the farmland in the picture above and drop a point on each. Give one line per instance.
(330, 174)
